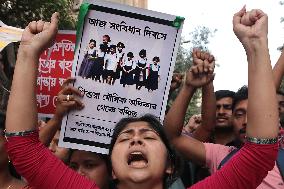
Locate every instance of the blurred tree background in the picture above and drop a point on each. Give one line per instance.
(198, 38)
(19, 13)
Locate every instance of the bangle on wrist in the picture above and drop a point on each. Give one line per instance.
(261, 140)
(20, 133)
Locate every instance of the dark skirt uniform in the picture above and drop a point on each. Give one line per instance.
(140, 75)
(127, 78)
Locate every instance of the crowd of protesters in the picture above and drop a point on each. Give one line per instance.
(235, 143)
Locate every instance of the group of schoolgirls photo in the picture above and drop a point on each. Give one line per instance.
(108, 63)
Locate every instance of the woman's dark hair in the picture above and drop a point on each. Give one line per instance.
(154, 123)
(2, 121)
(241, 94)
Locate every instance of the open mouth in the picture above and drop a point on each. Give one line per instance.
(242, 131)
(137, 160)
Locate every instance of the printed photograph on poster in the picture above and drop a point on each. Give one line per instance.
(55, 66)
(123, 65)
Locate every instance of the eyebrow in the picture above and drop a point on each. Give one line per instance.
(142, 130)
(223, 104)
(240, 110)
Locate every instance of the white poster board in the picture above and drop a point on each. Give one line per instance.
(116, 85)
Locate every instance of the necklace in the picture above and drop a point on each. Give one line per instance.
(9, 186)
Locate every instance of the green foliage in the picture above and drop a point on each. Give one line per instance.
(19, 13)
(199, 38)
(281, 88)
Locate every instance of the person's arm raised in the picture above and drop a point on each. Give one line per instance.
(208, 108)
(176, 82)
(30, 157)
(250, 165)
(174, 120)
(252, 29)
(22, 109)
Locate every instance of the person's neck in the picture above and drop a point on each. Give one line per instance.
(223, 136)
(141, 185)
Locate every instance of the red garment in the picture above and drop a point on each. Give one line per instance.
(43, 170)
(40, 167)
(245, 170)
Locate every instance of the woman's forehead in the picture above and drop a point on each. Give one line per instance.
(137, 125)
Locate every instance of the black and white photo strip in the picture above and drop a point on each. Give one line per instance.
(108, 63)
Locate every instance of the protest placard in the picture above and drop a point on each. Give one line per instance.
(123, 65)
(55, 65)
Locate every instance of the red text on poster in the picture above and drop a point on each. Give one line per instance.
(55, 65)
